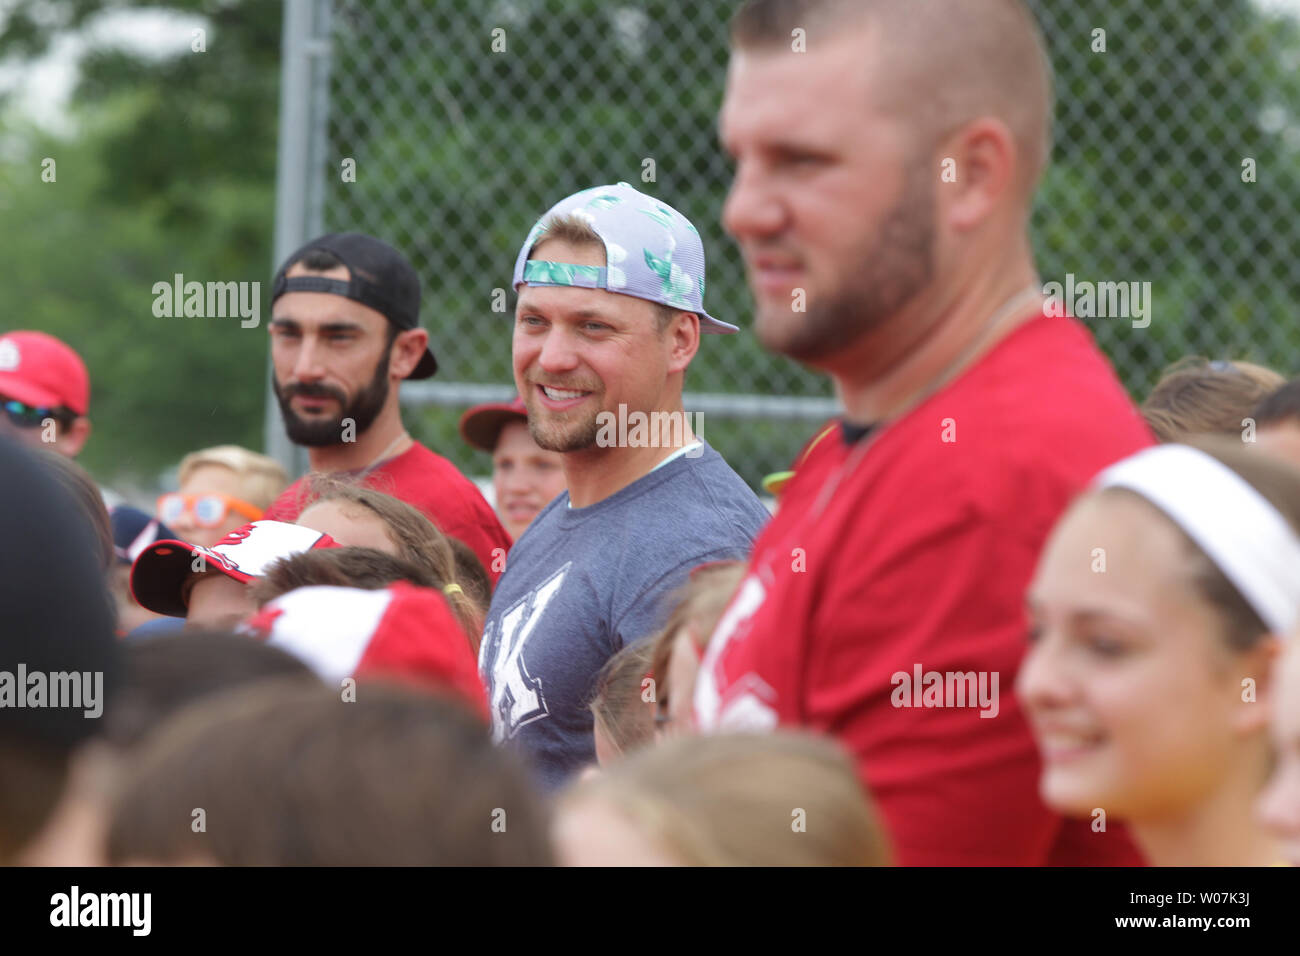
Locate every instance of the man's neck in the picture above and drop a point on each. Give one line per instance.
(381, 438)
(594, 474)
(886, 373)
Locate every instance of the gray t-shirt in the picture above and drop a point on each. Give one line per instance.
(581, 583)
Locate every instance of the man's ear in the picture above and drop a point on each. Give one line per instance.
(979, 169)
(408, 349)
(74, 438)
(683, 336)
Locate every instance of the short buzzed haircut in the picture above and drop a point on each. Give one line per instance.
(294, 776)
(947, 62)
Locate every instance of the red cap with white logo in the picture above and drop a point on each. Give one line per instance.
(158, 575)
(401, 631)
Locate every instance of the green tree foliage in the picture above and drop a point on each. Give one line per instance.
(170, 169)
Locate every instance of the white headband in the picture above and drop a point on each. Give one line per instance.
(1245, 536)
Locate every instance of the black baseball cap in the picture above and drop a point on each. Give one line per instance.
(382, 278)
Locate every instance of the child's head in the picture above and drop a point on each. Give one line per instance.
(291, 775)
(365, 568)
(779, 799)
(678, 649)
(623, 705)
(357, 516)
(1197, 397)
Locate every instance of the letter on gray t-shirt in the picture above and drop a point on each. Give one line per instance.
(581, 583)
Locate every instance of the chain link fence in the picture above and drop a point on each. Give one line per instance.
(451, 126)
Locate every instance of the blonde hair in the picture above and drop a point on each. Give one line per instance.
(779, 799)
(699, 606)
(618, 709)
(261, 479)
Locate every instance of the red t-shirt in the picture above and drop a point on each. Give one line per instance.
(914, 547)
(434, 486)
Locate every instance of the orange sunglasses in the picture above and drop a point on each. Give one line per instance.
(207, 510)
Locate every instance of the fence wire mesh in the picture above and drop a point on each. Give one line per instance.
(1177, 162)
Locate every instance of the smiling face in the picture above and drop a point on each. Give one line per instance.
(1279, 806)
(837, 202)
(335, 360)
(525, 477)
(579, 352)
(1132, 693)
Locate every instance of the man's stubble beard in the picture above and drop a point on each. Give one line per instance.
(572, 436)
(893, 266)
(363, 409)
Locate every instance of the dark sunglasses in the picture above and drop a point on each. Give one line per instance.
(32, 416)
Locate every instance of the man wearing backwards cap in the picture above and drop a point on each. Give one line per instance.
(344, 334)
(525, 476)
(44, 393)
(610, 313)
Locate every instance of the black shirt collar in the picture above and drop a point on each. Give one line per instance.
(852, 434)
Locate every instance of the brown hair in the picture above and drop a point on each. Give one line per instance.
(578, 232)
(32, 780)
(77, 481)
(618, 707)
(1282, 405)
(1279, 484)
(366, 568)
(780, 799)
(394, 777)
(1198, 397)
(418, 541)
(165, 674)
(698, 608)
(471, 574)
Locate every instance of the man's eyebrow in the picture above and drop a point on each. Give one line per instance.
(327, 327)
(527, 308)
(791, 148)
